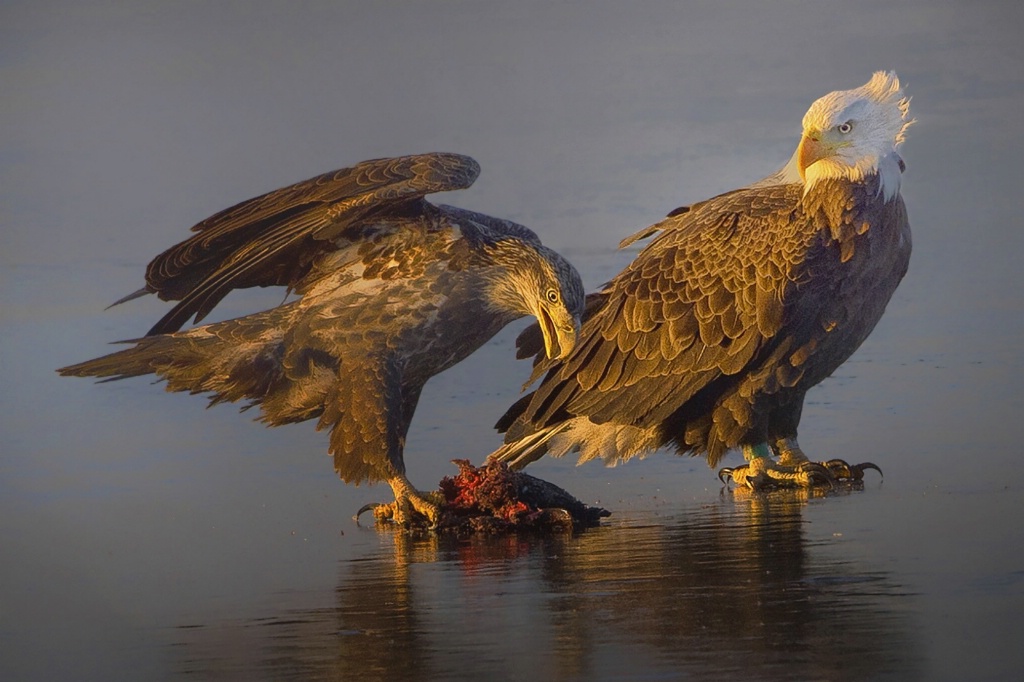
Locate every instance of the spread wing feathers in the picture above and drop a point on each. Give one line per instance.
(235, 359)
(275, 238)
(278, 365)
(700, 304)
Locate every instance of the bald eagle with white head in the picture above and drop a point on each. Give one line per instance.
(710, 339)
(392, 290)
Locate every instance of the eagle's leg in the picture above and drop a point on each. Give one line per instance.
(409, 503)
(789, 453)
(762, 473)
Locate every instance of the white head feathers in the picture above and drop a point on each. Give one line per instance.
(880, 100)
(852, 134)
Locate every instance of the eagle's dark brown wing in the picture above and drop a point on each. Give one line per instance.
(715, 331)
(696, 306)
(273, 239)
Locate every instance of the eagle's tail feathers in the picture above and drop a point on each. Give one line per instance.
(232, 360)
(527, 449)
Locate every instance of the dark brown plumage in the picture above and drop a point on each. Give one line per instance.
(393, 290)
(711, 337)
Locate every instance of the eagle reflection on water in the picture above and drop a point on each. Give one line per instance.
(710, 592)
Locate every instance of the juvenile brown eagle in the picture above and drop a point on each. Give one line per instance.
(711, 337)
(393, 290)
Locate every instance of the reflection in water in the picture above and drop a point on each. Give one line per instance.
(718, 591)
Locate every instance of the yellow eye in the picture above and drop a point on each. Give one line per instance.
(552, 295)
(844, 127)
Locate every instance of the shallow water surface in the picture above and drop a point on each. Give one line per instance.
(144, 537)
(707, 591)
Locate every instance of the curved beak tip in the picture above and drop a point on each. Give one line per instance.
(810, 150)
(567, 341)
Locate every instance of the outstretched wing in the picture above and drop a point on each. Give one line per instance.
(273, 239)
(698, 305)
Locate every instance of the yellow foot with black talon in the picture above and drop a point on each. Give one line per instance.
(843, 471)
(789, 453)
(743, 475)
(762, 473)
(381, 511)
(415, 507)
(405, 513)
(411, 508)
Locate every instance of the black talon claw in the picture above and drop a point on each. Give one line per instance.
(854, 472)
(725, 474)
(819, 473)
(367, 507)
(823, 478)
(839, 468)
(858, 470)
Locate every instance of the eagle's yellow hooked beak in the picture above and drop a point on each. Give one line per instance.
(560, 330)
(811, 149)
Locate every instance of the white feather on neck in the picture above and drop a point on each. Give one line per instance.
(887, 168)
